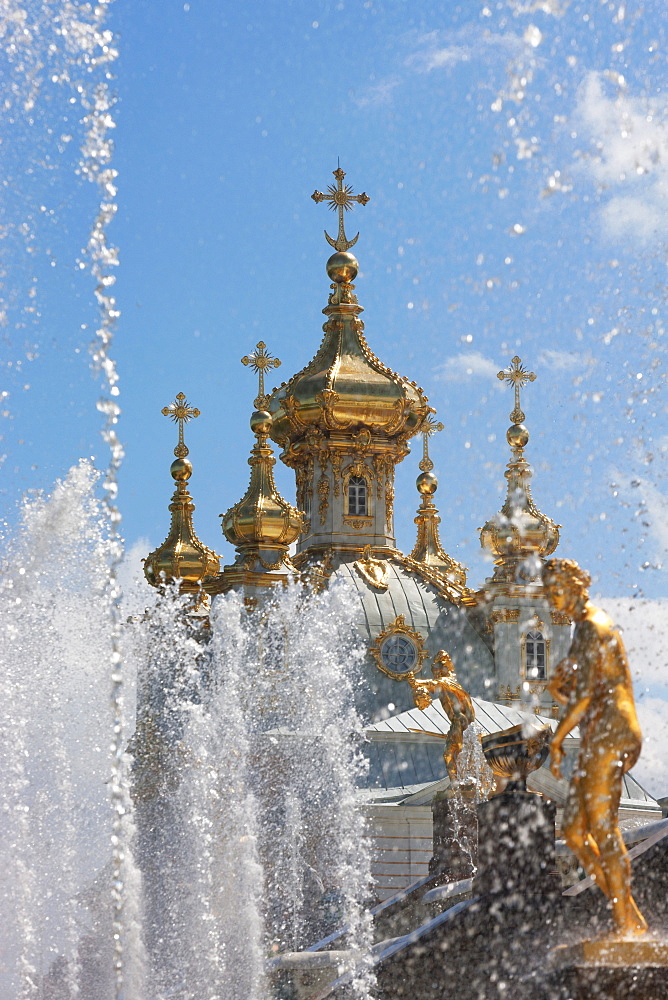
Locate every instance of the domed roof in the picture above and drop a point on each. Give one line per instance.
(262, 516)
(346, 387)
(433, 619)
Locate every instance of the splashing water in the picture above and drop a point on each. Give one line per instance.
(246, 762)
(54, 746)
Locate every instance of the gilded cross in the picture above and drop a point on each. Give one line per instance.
(180, 412)
(517, 376)
(341, 198)
(260, 361)
(429, 427)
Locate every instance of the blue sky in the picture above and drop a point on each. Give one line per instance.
(515, 155)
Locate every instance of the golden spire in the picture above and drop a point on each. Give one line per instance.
(428, 549)
(262, 525)
(341, 199)
(181, 556)
(519, 531)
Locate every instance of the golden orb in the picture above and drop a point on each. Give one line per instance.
(181, 470)
(342, 267)
(260, 422)
(426, 483)
(517, 436)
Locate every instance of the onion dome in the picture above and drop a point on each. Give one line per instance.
(262, 525)
(345, 387)
(428, 549)
(181, 557)
(520, 535)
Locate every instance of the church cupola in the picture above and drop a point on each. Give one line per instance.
(520, 535)
(262, 525)
(344, 420)
(181, 557)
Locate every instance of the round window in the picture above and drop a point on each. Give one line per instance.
(399, 654)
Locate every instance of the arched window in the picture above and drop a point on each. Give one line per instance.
(357, 496)
(535, 651)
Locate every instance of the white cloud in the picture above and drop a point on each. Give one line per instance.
(564, 361)
(377, 95)
(644, 627)
(441, 50)
(471, 364)
(629, 158)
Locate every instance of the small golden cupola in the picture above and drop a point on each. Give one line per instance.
(519, 536)
(181, 557)
(344, 420)
(262, 525)
(428, 549)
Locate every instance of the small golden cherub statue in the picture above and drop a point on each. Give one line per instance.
(594, 684)
(456, 703)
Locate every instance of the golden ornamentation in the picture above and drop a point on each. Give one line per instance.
(323, 493)
(262, 525)
(513, 754)
(180, 412)
(456, 703)
(261, 361)
(358, 522)
(520, 535)
(375, 571)
(428, 548)
(450, 584)
(181, 556)
(506, 693)
(593, 683)
(411, 650)
(517, 376)
(389, 505)
(559, 618)
(336, 471)
(378, 464)
(505, 615)
(429, 427)
(340, 198)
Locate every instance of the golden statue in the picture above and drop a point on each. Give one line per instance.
(594, 684)
(456, 703)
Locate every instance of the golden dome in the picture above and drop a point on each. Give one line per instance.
(181, 556)
(262, 517)
(262, 525)
(346, 387)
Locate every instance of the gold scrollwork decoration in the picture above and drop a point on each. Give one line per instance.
(323, 493)
(358, 522)
(505, 616)
(559, 618)
(374, 571)
(397, 646)
(389, 505)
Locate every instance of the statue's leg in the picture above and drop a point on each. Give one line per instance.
(602, 789)
(575, 828)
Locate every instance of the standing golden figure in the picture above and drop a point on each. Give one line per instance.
(594, 684)
(456, 703)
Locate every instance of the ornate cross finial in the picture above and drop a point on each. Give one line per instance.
(180, 412)
(517, 376)
(260, 361)
(429, 427)
(340, 197)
